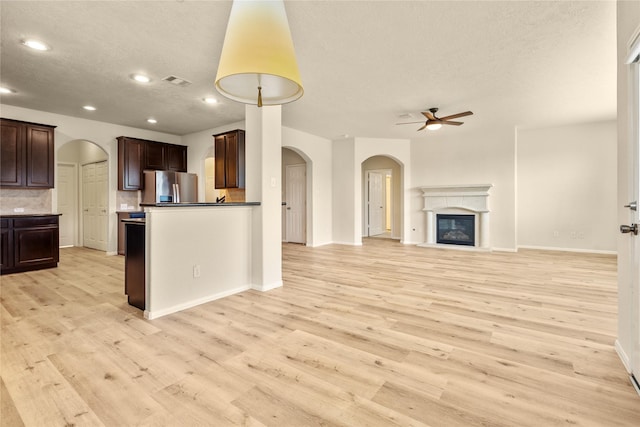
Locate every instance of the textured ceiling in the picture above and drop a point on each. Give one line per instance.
(363, 63)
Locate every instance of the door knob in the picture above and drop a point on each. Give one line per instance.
(632, 205)
(633, 228)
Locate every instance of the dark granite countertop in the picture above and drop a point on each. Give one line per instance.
(28, 215)
(204, 204)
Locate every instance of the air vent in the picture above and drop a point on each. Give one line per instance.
(178, 81)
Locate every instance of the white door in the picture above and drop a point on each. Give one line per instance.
(88, 206)
(296, 203)
(67, 186)
(102, 189)
(634, 217)
(94, 205)
(376, 203)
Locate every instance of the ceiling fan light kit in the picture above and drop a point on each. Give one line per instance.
(434, 122)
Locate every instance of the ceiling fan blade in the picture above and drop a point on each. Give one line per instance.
(455, 116)
(410, 123)
(446, 122)
(423, 126)
(429, 115)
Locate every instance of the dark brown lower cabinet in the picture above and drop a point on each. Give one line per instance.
(134, 274)
(29, 243)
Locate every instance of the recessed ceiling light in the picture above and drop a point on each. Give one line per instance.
(6, 90)
(152, 121)
(140, 78)
(89, 108)
(209, 100)
(36, 44)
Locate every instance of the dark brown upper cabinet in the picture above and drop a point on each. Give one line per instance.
(26, 154)
(137, 155)
(130, 157)
(177, 158)
(229, 159)
(155, 156)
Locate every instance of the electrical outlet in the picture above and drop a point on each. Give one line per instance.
(18, 209)
(572, 234)
(123, 206)
(581, 235)
(556, 234)
(196, 270)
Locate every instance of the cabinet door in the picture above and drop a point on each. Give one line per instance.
(220, 161)
(231, 162)
(6, 245)
(130, 157)
(177, 158)
(34, 246)
(12, 154)
(40, 150)
(155, 157)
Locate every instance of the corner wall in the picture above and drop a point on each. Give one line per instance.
(565, 179)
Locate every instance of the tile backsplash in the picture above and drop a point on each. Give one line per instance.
(25, 201)
(129, 198)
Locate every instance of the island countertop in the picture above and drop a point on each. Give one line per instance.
(203, 204)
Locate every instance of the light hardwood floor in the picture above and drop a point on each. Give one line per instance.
(378, 335)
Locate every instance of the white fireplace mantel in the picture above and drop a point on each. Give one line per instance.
(448, 198)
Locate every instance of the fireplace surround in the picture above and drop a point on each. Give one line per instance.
(468, 200)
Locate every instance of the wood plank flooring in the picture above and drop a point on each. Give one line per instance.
(378, 335)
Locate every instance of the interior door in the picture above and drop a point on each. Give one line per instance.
(89, 220)
(376, 203)
(631, 227)
(101, 188)
(634, 219)
(67, 186)
(296, 198)
(94, 205)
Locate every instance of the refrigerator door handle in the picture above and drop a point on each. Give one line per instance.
(176, 193)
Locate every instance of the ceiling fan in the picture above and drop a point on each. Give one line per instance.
(434, 122)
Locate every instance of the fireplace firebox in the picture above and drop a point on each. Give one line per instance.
(456, 229)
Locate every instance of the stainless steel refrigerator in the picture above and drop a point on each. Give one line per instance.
(169, 187)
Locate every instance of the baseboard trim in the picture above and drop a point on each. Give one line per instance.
(623, 356)
(267, 287)
(179, 307)
(586, 251)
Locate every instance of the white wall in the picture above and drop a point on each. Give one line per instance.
(216, 239)
(628, 17)
(566, 177)
(100, 133)
(448, 158)
(317, 152)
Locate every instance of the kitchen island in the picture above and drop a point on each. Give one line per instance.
(196, 253)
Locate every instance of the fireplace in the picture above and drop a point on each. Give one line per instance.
(467, 205)
(456, 229)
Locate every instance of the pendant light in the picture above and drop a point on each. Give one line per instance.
(258, 63)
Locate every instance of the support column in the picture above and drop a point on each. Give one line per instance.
(431, 239)
(484, 229)
(263, 141)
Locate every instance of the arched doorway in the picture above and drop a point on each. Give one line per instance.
(294, 197)
(82, 184)
(381, 198)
